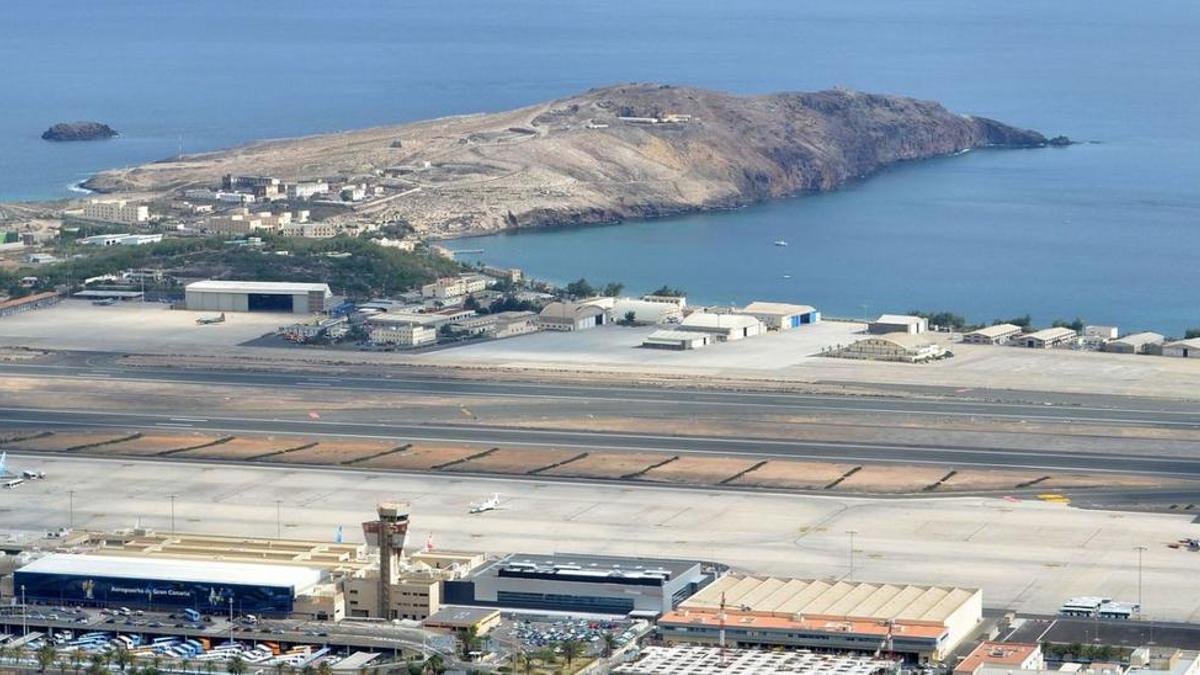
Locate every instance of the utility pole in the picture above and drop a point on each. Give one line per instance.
(278, 527)
(172, 515)
(71, 508)
(851, 533)
(24, 613)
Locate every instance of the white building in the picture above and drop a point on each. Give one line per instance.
(678, 340)
(1047, 338)
(449, 288)
(572, 316)
(387, 331)
(257, 296)
(723, 327)
(903, 347)
(1137, 343)
(677, 300)
(781, 315)
(308, 230)
(1187, 349)
(645, 312)
(1100, 332)
(117, 211)
(898, 323)
(992, 335)
(121, 239)
(304, 191)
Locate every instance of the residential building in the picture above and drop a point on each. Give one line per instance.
(308, 230)
(1137, 343)
(904, 347)
(116, 211)
(1187, 349)
(511, 274)
(353, 193)
(450, 288)
(898, 323)
(244, 221)
(781, 316)
(262, 187)
(306, 190)
(572, 316)
(992, 335)
(678, 340)
(920, 623)
(723, 327)
(1047, 338)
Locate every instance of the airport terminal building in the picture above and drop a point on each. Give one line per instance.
(165, 584)
(581, 583)
(257, 296)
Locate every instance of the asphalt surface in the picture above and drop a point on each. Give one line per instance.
(973, 404)
(483, 435)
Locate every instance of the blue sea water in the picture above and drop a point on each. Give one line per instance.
(1106, 231)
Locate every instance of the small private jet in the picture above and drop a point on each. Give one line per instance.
(490, 504)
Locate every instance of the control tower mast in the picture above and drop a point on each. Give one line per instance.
(387, 533)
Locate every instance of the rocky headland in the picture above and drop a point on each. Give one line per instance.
(609, 154)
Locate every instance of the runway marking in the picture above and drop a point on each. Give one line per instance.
(169, 424)
(902, 461)
(188, 419)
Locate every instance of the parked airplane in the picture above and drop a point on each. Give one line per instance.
(104, 302)
(206, 320)
(490, 504)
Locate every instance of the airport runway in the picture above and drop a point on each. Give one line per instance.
(693, 402)
(486, 436)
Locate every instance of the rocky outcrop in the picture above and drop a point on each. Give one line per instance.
(630, 151)
(78, 131)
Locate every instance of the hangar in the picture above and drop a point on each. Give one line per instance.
(257, 296)
(159, 583)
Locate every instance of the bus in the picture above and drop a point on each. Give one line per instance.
(191, 615)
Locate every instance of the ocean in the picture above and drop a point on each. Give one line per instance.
(1104, 230)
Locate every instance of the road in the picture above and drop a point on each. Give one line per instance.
(486, 435)
(1049, 408)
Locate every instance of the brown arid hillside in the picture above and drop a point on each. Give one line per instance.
(575, 161)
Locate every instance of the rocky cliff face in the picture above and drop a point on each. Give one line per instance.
(609, 154)
(78, 131)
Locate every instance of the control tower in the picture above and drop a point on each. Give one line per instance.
(387, 533)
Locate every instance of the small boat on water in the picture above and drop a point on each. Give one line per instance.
(781, 242)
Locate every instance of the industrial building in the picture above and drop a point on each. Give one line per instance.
(126, 239)
(997, 658)
(898, 323)
(723, 326)
(401, 332)
(580, 583)
(29, 303)
(919, 623)
(677, 340)
(572, 316)
(999, 334)
(903, 347)
(1101, 333)
(781, 316)
(257, 296)
(696, 660)
(498, 325)
(1187, 349)
(206, 586)
(1047, 338)
(1137, 343)
(646, 312)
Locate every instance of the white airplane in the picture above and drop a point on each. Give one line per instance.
(490, 504)
(5, 473)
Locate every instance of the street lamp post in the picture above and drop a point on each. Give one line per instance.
(278, 525)
(851, 533)
(172, 515)
(71, 508)
(24, 613)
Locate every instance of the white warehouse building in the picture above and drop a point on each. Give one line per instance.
(257, 296)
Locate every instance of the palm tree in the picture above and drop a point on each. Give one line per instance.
(308, 670)
(434, 665)
(470, 642)
(46, 654)
(210, 667)
(571, 650)
(122, 658)
(236, 666)
(610, 643)
(323, 668)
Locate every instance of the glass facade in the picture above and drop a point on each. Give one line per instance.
(205, 597)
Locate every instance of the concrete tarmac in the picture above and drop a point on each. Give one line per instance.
(1026, 555)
